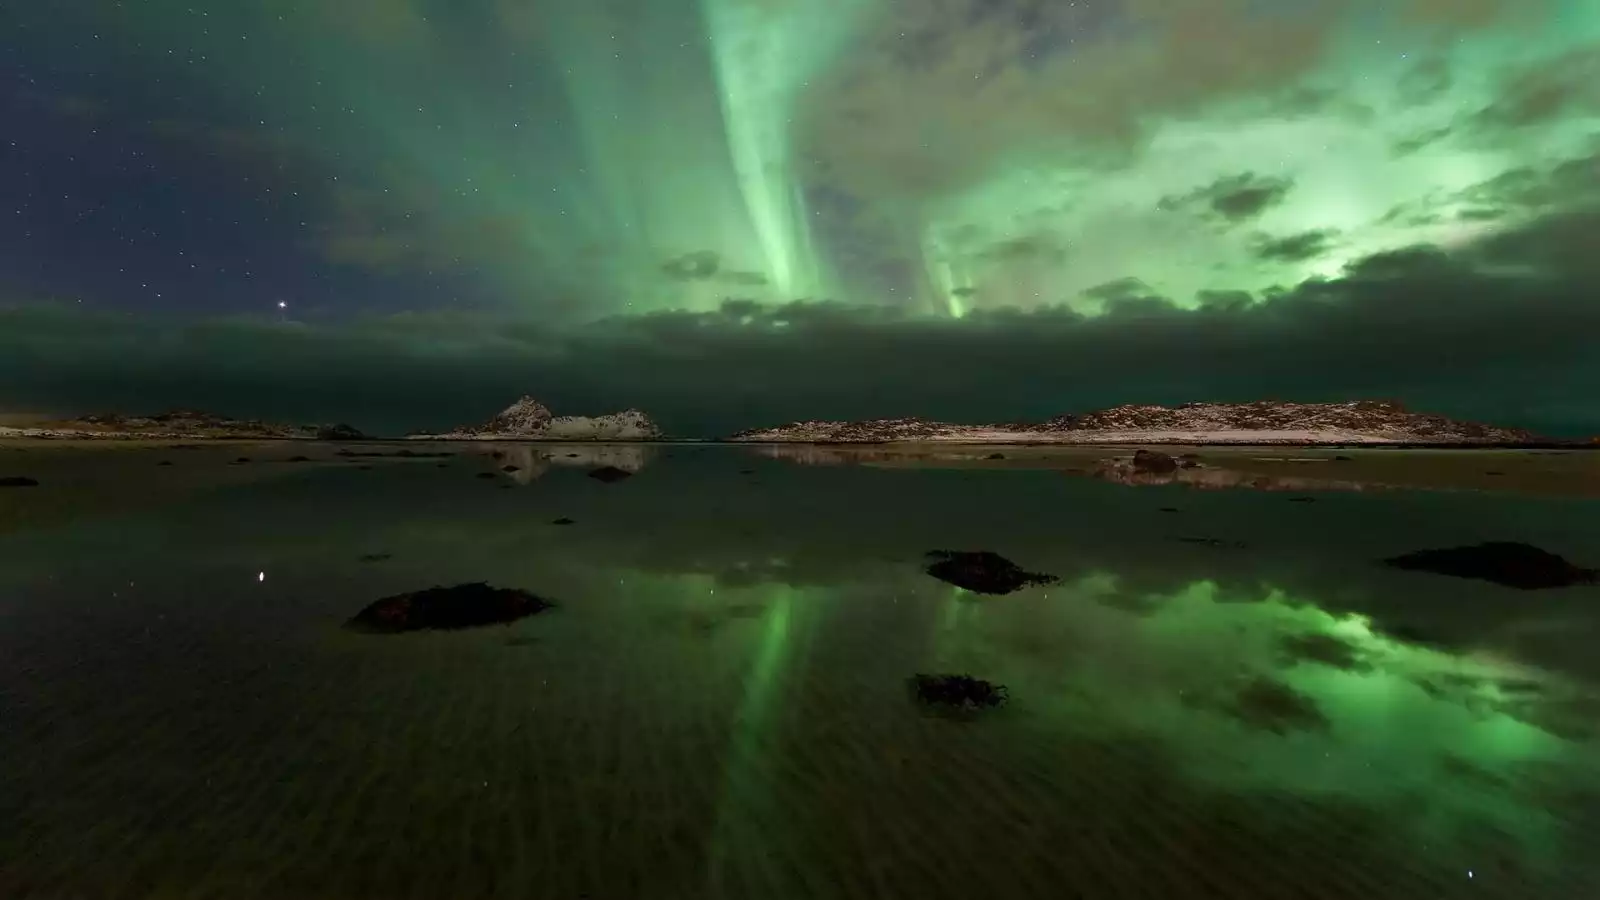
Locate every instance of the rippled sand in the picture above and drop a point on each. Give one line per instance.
(710, 715)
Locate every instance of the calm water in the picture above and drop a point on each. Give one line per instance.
(717, 708)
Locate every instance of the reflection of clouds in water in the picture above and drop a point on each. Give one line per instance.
(1278, 695)
(1270, 697)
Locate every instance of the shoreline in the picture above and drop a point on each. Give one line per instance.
(934, 443)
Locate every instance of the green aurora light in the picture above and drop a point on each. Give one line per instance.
(641, 156)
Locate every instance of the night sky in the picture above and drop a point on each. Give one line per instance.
(730, 213)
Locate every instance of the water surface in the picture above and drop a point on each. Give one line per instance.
(718, 708)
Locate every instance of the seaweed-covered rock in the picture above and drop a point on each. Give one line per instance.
(956, 693)
(447, 608)
(609, 474)
(1153, 461)
(18, 481)
(1502, 562)
(982, 571)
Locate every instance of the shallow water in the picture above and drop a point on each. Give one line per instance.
(718, 707)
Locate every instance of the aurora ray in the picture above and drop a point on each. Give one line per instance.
(766, 55)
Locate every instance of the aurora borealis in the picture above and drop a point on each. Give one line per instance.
(732, 212)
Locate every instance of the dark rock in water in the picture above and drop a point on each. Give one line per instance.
(299, 459)
(995, 456)
(448, 608)
(441, 465)
(339, 432)
(510, 468)
(376, 557)
(485, 475)
(983, 572)
(747, 471)
(1502, 562)
(1302, 499)
(18, 481)
(563, 521)
(1169, 509)
(364, 468)
(1342, 458)
(572, 456)
(609, 474)
(1493, 472)
(1153, 462)
(241, 460)
(956, 693)
(165, 462)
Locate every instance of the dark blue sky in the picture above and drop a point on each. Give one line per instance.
(122, 191)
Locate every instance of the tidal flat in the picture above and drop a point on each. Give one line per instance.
(1221, 692)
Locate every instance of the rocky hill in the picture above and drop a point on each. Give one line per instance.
(529, 420)
(183, 424)
(1263, 422)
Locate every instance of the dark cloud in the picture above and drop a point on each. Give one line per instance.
(1025, 248)
(1296, 247)
(944, 89)
(1234, 199)
(697, 266)
(1422, 139)
(1123, 290)
(1427, 80)
(1529, 190)
(1509, 324)
(1550, 90)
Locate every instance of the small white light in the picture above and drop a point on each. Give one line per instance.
(282, 305)
(261, 576)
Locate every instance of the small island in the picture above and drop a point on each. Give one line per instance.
(529, 420)
(1360, 422)
(180, 424)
